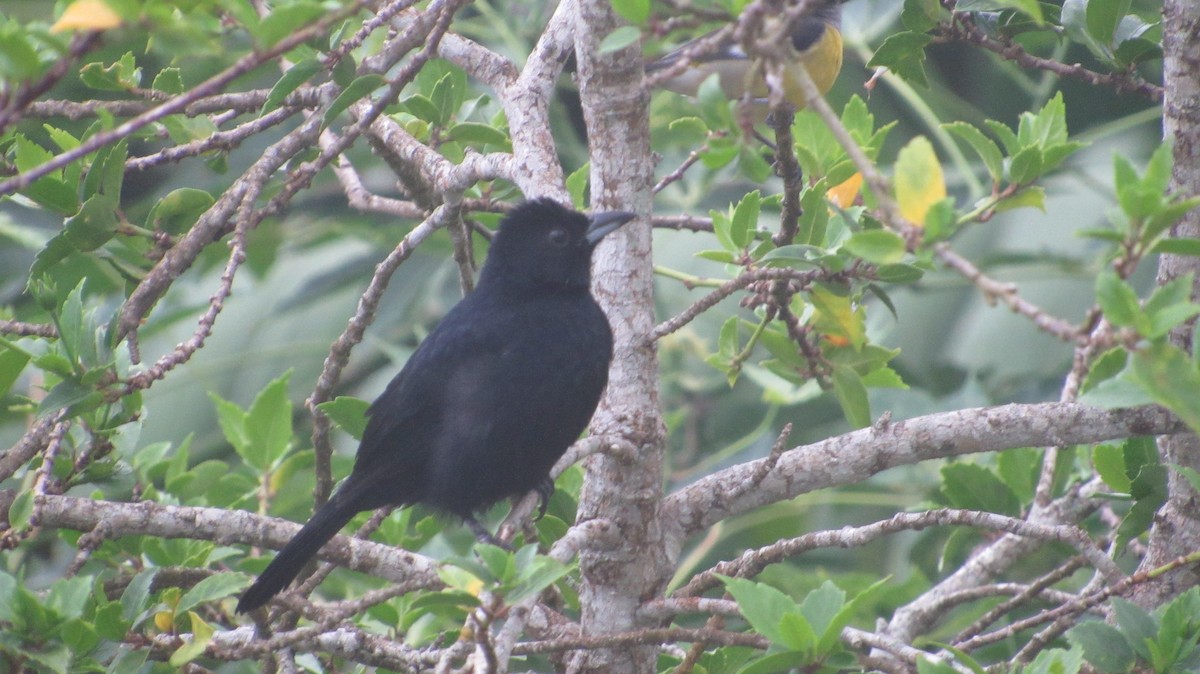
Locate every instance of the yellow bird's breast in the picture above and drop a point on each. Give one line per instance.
(823, 62)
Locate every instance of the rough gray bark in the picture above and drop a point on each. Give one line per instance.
(1177, 526)
(617, 580)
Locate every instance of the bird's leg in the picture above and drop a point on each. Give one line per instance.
(483, 535)
(545, 490)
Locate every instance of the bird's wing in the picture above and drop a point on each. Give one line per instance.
(805, 34)
(404, 421)
(729, 50)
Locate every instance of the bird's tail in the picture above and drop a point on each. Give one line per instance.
(326, 522)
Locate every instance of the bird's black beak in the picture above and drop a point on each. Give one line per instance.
(601, 224)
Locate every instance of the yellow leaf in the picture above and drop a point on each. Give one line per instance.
(918, 180)
(837, 340)
(164, 621)
(837, 318)
(86, 15)
(842, 195)
(475, 587)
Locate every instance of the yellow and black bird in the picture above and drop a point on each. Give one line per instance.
(816, 45)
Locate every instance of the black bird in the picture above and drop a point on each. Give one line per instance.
(494, 395)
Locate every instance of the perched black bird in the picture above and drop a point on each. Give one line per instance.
(494, 395)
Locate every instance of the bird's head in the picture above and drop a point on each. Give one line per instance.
(545, 244)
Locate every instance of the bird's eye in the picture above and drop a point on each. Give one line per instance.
(559, 238)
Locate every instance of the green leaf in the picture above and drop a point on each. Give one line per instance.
(1005, 134)
(878, 246)
(1026, 165)
(1047, 127)
(52, 656)
(754, 166)
(419, 106)
(535, 576)
(217, 586)
(797, 634)
(1057, 661)
(106, 175)
(1168, 215)
(689, 128)
(1118, 301)
(94, 225)
(168, 80)
(1109, 462)
(232, 420)
(27, 154)
(68, 597)
(269, 425)
(773, 663)
(1149, 489)
(762, 605)
(1018, 468)
(832, 635)
(940, 220)
(620, 39)
(899, 273)
(1033, 196)
(1117, 392)
(1030, 8)
(985, 147)
(922, 15)
(577, 184)
(176, 212)
(474, 133)
(286, 20)
(21, 510)
(446, 98)
(129, 660)
(184, 129)
(12, 363)
(1140, 452)
(70, 395)
(122, 75)
(64, 140)
(356, 90)
(18, 60)
(744, 220)
(54, 194)
(821, 606)
(926, 666)
(1170, 377)
(292, 79)
(1102, 18)
(1137, 625)
(904, 54)
(1158, 169)
(973, 487)
(633, 11)
(814, 216)
(202, 634)
(1103, 646)
(50, 191)
(137, 592)
(348, 413)
(851, 394)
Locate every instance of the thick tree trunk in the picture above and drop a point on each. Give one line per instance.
(1177, 526)
(616, 581)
